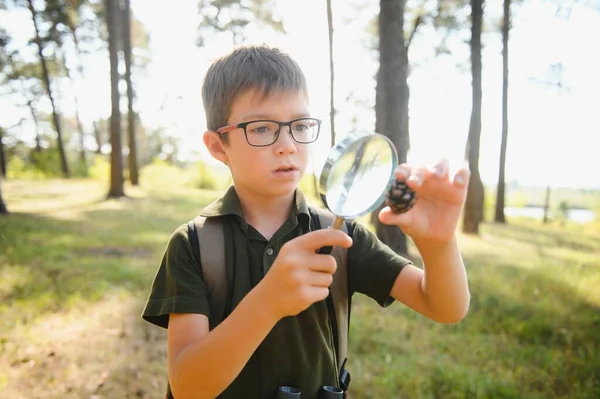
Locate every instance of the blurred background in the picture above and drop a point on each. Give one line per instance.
(101, 158)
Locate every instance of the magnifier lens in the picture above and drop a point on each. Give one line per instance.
(358, 174)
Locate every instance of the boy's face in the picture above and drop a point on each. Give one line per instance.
(273, 170)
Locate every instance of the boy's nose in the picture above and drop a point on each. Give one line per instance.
(285, 142)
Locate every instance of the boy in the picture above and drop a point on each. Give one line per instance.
(277, 332)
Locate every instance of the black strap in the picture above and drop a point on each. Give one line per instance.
(316, 224)
(193, 238)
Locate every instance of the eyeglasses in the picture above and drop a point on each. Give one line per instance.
(263, 133)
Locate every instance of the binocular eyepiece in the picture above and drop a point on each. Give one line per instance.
(326, 392)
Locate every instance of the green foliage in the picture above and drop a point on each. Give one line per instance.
(307, 185)
(37, 165)
(100, 169)
(206, 178)
(163, 176)
(563, 208)
(233, 17)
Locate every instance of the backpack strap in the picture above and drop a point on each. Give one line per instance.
(208, 233)
(340, 298)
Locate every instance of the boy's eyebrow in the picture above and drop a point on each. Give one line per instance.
(252, 117)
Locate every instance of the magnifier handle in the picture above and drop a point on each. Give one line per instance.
(337, 223)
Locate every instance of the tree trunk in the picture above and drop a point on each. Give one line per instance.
(116, 158)
(126, 36)
(473, 213)
(38, 137)
(547, 206)
(81, 71)
(46, 79)
(391, 101)
(500, 192)
(2, 155)
(98, 137)
(82, 158)
(3, 210)
(331, 73)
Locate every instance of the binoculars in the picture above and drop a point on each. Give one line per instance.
(326, 392)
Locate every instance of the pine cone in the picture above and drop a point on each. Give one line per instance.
(400, 198)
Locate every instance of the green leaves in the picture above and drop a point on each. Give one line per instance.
(234, 17)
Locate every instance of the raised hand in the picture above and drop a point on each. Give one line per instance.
(440, 199)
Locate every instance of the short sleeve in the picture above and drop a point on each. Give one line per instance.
(178, 286)
(373, 266)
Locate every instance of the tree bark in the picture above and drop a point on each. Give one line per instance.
(3, 210)
(499, 216)
(38, 137)
(82, 157)
(473, 213)
(547, 206)
(81, 71)
(132, 157)
(116, 158)
(391, 101)
(46, 79)
(331, 73)
(2, 155)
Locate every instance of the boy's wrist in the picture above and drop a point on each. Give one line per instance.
(263, 307)
(428, 248)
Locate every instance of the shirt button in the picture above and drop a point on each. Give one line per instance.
(269, 251)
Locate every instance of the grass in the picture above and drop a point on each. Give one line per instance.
(75, 270)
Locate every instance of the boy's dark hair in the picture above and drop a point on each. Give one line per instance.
(247, 67)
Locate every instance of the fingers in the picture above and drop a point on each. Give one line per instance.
(386, 216)
(316, 279)
(403, 172)
(314, 293)
(415, 177)
(322, 263)
(440, 170)
(461, 178)
(319, 238)
(418, 177)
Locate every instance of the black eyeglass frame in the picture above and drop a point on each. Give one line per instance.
(243, 125)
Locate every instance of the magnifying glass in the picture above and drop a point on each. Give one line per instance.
(358, 175)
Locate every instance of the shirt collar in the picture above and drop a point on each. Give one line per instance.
(229, 204)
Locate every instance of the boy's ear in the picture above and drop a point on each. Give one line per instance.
(213, 143)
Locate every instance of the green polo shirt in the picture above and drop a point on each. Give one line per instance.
(299, 350)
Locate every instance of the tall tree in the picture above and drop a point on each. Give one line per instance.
(4, 57)
(116, 158)
(3, 210)
(500, 192)
(58, 15)
(2, 154)
(331, 73)
(127, 53)
(391, 100)
(74, 23)
(473, 212)
(46, 79)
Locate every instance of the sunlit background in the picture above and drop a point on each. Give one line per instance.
(77, 265)
(554, 88)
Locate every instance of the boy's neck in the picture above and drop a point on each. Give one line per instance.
(266, 214)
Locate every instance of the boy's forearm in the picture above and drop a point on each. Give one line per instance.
(205, 368)
(445, 286)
